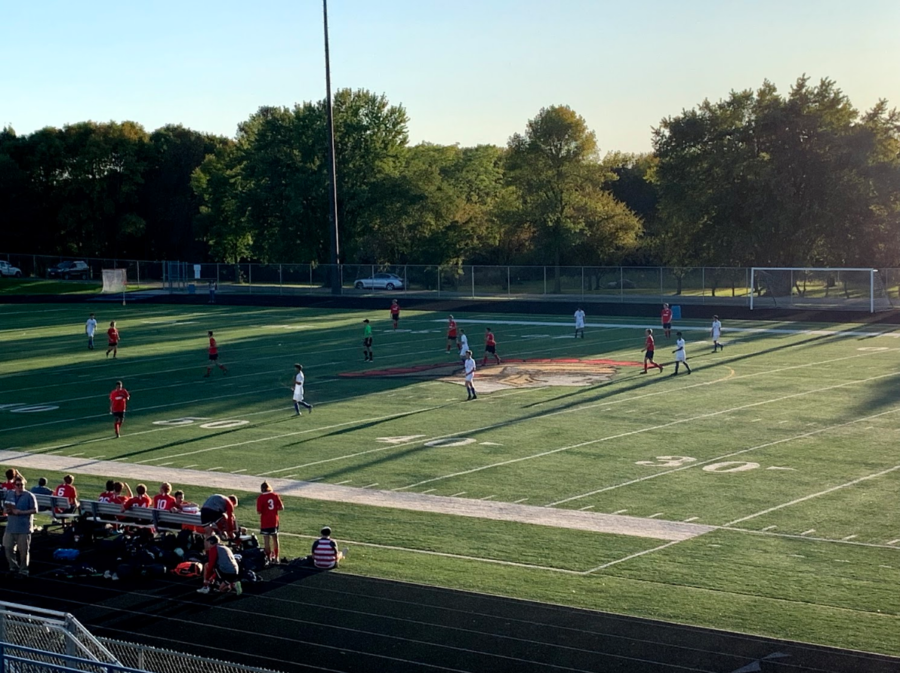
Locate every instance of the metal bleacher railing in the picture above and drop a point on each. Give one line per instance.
(621, 284)
(36, 639)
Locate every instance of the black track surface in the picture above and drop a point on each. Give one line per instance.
(299, 620)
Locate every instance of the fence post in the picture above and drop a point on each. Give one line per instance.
(621, 285)
(405, 279)
(138, 265)
(310, 288)
(250, 278)
(660, 283)
(702, 284)
(508, 289)
(280, 281)
(473, 281)
(217, 274)
(545, 281)
(439, 281)
(582, 283)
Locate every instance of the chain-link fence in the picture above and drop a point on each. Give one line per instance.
(47, 639)
(622, 284)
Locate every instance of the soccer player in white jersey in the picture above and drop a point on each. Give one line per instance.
(89, 328)
(463, 345)
(715, 332)
(298, 390)
(680, 354)
(579, 323)
(470, 376)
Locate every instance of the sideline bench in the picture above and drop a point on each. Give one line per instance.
(142, 517)
(49, 504)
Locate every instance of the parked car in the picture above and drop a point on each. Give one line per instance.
(624, 284)
(67, 270)
(380, 281)
(7, 269)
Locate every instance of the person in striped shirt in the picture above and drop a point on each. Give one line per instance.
(325, 554)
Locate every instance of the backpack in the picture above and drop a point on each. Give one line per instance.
(188, 569)
(66, 554)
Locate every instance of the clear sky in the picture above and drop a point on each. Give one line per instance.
(467, 71)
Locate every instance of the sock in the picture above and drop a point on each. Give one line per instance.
(297, 407)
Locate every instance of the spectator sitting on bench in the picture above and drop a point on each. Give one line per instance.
(41, 489)
(141, 499)
(218, 511)
(221, 568)
(325, 554)
(67, 490)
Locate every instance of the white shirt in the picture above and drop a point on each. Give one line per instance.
(90, 326)
(470, 368)
(716, 328)
(680, 353)
(298, 381)
(463, 345)
(579, 318)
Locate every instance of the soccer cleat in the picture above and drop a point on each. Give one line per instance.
(298, 414)
(310, 408)
(238, 589)
(643, 372)
(203, 590)
(474, 397)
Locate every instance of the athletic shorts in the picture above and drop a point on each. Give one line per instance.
(208, 516)
(269, 531)
(298, 394)
(119, 414)
(470, 377)
(395, 317)
(451, 338)
(367, 342)
(490, 349)
(113, 343)
(650, 355)
(231, 578)
(213, 357)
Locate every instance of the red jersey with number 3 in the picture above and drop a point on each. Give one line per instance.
(649, 345)
(118, 399)
(268, 505)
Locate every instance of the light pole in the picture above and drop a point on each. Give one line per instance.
(332, 169)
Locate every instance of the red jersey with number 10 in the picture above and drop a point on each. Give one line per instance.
(118, 399)
(268, 505)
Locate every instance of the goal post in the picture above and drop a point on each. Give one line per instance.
(818, 287)
(115, 281)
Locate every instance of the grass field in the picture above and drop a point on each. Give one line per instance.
(785, 444)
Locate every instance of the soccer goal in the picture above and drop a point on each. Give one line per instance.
(812, 288)
(115, 281)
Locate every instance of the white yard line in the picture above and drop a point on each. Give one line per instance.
(814, 495)
(631, 556)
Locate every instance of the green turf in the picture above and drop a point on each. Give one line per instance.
(808, 419)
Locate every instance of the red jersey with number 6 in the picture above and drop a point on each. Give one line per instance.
(268, 505)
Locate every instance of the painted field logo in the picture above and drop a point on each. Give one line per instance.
(533, 373)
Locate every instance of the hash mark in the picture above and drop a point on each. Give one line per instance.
(371, 485)
(884, 566)
(457, 494)
(586, 507)
(429, 490)
(621, 511)
(849, 537)
(798, 555)
(516, 502)
(487, 497)
(210, 469)
(768, 528)
(191, 465)
(693, 518)
(653, 516)
(72, 455)
(811, 530)
(315, 479)
(164, 464)
(243, 469)
(290, 476)
(346, 481)
(893, 541)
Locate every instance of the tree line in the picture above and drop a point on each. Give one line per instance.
(758, 178)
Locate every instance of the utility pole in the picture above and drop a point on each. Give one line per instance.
(332, 169)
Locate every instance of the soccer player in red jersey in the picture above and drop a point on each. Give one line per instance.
(268, 505)
(118, 399)
(490, 346)
(112, 335)
(163, 499)
(395, 312)
(140, 499)
(10, 484)
(109, 493)
(214, 355)
(451, 334)
(649, 348)
(67, 490)
(666, 317)
(118, 497)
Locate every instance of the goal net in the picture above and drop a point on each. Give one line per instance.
(114, 281)
(812, 288)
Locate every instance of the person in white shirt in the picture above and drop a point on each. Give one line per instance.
(299, 378)
(579, 323)
(89, 328)
(715, 332)
(463, 344)
(470, 376)
(680, 354)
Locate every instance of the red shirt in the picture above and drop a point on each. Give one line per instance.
(9, 486)
(161, 501)
(66, 491)
(107, 496)
(268, 505)
(138, 501)
(113, 335)
(649, 345)
(395, 309)
(666, 315)
(118, 399)
(213, 350)
(451, 330)
(118, 498)
(489, 339)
